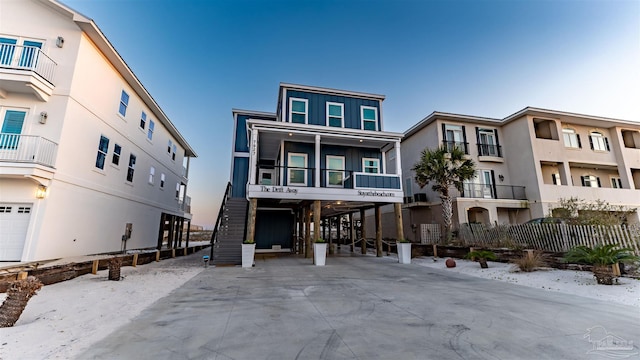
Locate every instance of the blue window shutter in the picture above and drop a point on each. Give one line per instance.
(13, 121)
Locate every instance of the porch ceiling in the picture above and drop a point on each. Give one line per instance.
(329, 208)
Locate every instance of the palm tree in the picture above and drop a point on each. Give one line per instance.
(445, 168)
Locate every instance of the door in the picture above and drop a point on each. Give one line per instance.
(30, 52)
(14, 222)
(7, 49)
(335, 171)
(11, 129)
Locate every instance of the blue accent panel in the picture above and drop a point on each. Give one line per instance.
(378, 182)
(13, 121)
(317, 112)
(352, 158)
(274, 227)
(301, 148)
(241, 141)
(240, 177)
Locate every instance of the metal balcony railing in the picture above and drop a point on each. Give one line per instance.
(20, 57)
(27, 148)
(450, 145)
(490, 191)
(329, 178)
(489, 150)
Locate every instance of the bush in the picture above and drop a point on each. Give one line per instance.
(530, 263)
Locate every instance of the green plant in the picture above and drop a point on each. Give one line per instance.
(529, 263)
(481, 256)
(580, 212)
(249, 241)
(601, 257)
(403, 240)
(320, 240)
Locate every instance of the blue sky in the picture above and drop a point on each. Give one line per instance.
(201, 58)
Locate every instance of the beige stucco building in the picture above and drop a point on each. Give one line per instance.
(86, 154)
(525, 163)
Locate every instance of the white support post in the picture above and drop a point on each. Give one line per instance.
(317, 172)
(253, 157)
(399, 164)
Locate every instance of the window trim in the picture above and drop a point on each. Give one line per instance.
(371, 159)
(123, 103)
(143, 120)
(289, 168)
(102, 152)
(571, 134)
(362, 119)
(593, 135)
(329, 170)
(131, 167)
(306, 109)
(114, 154)
(163, 180)
(328, 116)
(152, 173)
(151, 129)
(616, 182)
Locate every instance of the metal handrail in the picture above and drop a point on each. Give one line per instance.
(214, 235)
(20, 57)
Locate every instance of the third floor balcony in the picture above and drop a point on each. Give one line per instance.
(25, 69)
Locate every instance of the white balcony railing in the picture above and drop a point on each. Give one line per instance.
(31, 58)
(27, 148)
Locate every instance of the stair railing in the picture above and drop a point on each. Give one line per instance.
(214, 235)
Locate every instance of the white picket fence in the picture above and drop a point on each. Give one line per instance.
(550, 237)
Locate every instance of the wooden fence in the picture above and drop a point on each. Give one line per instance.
(429, 233)
(550, 237)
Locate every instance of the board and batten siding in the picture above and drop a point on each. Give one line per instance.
(317, 111)
(241, 141)
(240, 176)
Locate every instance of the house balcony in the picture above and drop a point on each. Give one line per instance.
(490, 152)
(490, 191)
(27, 155)
(185, 204)
(26, 69)
(450, 145)
(302, 184)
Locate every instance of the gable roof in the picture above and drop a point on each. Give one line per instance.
(89, 27)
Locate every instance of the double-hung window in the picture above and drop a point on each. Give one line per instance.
(143, 120)
(590, 181)
(177, 190)
(174, 149)
(152, 173)
(335, 114)
(297, 169)
(169, 146)
(335, 171)
(162, 180)
(371, 166)
(369, 116)
(487, 143)
(131, 168)
(298, 110)
(152, 126)
(598, 142)
(124, 102)
(571, 139)
(103, 147)
(115, 159)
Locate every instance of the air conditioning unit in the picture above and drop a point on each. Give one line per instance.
(408, 199)
(420, 197)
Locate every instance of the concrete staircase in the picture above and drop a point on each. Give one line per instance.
(227, 249)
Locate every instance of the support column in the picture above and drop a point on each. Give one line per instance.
(180, 230)
(565, 173)
(378, 231)
(171, 235)
(316, 182)
(352, 231)
(251, 220)
(397, 207)
(253, 156)
(330, 220)
(363, 232)
(161, 232)
(300, 239)
(188, 232)
(307, 232)
(316, 218)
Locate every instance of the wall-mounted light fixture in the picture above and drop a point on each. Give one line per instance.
(501, 177)
(60, 41)
(41, 192)
(43, 117)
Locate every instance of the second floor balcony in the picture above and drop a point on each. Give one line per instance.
(450, 145)
(27, 155)
(26, 69)
(491, 191)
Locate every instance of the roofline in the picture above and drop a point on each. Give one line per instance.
(252, 112)
(448, 116)
(321, 129)
(89, 27)
(331, 91)
(533, 111)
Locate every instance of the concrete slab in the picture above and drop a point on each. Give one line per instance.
(362, 307)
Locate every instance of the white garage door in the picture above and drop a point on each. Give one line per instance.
(14, 221)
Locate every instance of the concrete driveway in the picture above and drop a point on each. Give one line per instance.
(363, 307)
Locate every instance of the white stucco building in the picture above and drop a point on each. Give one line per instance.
(85, 151)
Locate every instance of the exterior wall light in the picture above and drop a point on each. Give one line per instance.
(60, 41)
(43, 117)
(41, 192)
(501, 177)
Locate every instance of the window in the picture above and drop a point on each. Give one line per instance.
(488, 142)
(298, 110)
(171, 150)
(28, 52)
(335, 171)
(103, 147)
(124, 102)
(616, 183)
(571, 139)
(162, 179)
(335, 114)
(5, 209)
(598, 142)
(152, 173)
(590, 181)
(454, 136)
(117, 149)
(369, 117)
(169, 146)
(555, 177)
(24, 210)
(177, 190)
(152, 126)
(297, 171)
(371, 166)
(132, 166)
(143, 120)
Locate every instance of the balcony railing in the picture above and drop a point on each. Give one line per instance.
(489, 150)
(450, 145)
(185, 204)
(28, 149)
(329, 178)
(490, 191)
(31, 58)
